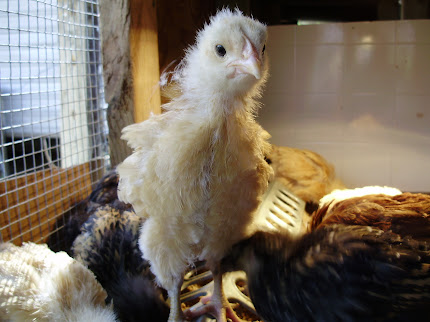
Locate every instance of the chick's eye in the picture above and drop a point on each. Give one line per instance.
(264, 49)
(220, 50)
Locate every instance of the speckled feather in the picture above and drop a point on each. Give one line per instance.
(104, 193)
(108, 245)
(108, 242)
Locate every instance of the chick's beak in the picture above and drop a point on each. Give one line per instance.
(250, 62)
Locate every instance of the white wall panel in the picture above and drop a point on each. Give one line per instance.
(357, 93)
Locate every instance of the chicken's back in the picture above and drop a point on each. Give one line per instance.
(407, 214)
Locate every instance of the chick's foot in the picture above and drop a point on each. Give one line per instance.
(220, 311)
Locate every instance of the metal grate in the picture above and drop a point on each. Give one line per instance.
(52, 113)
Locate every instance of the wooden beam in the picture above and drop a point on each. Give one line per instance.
(144, 58)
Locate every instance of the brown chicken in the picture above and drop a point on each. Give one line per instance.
(305, 173)
(407, 214)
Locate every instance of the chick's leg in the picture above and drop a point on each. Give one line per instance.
(216, 304)
(167, 263)
(175, 303)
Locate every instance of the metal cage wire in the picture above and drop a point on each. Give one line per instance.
(52, 113)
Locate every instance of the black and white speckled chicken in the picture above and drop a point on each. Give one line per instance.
(108, 245)
(336, 273)
(104, 193)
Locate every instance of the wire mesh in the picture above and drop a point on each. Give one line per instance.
(52, 113)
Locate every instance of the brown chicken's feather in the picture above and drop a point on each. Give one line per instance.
(305, 173)
(407, 214)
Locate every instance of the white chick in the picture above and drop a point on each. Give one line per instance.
(198, 171)
(37, 284)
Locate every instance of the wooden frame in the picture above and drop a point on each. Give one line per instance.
(144, 57)
(31, 204)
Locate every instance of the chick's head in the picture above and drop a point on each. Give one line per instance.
(229, 55)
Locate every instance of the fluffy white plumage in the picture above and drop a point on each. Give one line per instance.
(198, 171)
(37, 284)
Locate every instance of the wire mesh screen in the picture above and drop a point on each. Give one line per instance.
(52, 110)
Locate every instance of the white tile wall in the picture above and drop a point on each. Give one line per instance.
(358, 94)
